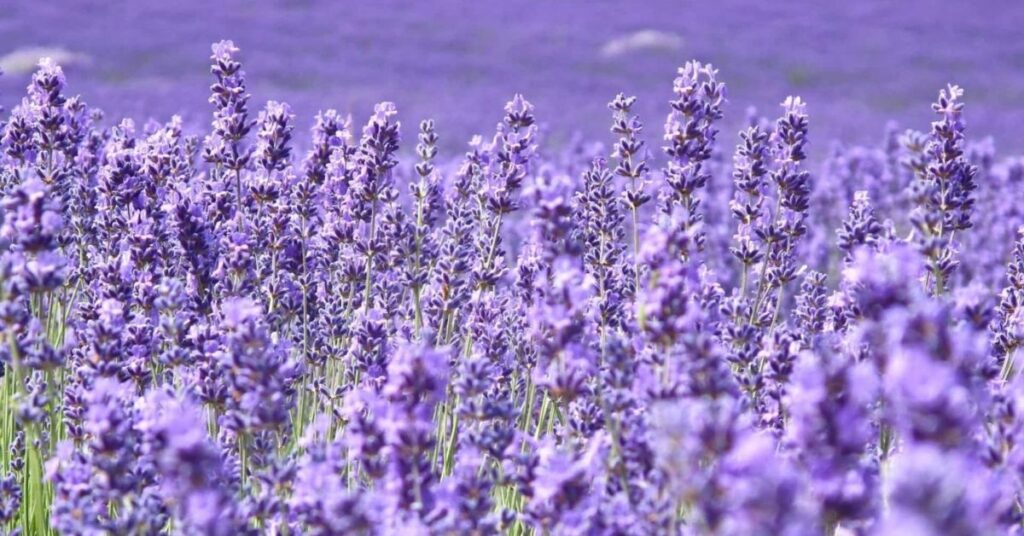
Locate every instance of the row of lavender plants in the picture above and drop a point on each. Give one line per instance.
(216, 335)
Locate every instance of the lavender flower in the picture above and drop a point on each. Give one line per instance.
(191, 468)
(943, 187)
(600, 227)
(417, 378)
(260, 376)
(272, 151)
(1006, 330)
(861, 228)
(223, 147)
(830, 431)
(632, 166)
(935, 493)
(690, 135)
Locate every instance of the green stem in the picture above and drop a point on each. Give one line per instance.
(369, 256)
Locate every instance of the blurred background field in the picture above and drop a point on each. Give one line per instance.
(858, 64)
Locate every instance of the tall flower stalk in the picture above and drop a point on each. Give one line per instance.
(943, 188)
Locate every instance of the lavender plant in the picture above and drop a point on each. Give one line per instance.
(247, 331)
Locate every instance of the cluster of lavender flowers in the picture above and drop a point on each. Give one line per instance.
(227, 334)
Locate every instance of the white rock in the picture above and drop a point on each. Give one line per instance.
(640, 41)
(26, 60)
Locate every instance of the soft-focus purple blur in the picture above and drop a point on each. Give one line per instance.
(857, 64)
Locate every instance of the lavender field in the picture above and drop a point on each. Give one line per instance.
(858, 64)
(300, 268)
